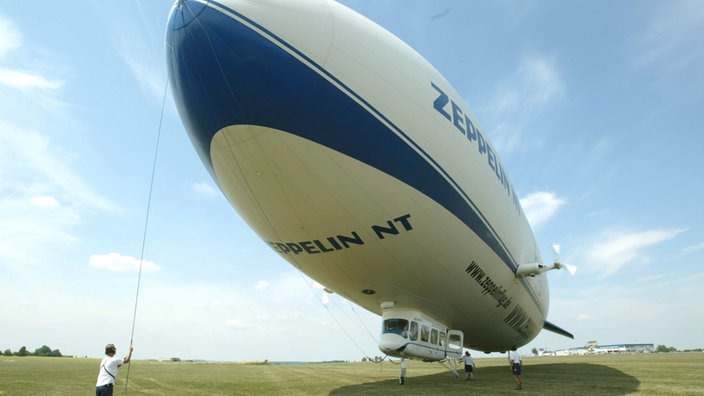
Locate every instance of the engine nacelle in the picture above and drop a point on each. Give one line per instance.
(532, 269)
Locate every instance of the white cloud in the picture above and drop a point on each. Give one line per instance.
(44, 197)
(30, 162)
(540, 207)
(206, 189)
(10, 37)
(44, 201)
(521, 98)
(237, 324)
(149, 77)
(691, 249)
(262, 285)
(138, 45)
(117, 263)
(583, 317)
(211, 304)
(34, 177)
(32, 229)
(671, 43)
(613, 250)
(26, 80)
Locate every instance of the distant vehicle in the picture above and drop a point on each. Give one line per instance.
(355, 160)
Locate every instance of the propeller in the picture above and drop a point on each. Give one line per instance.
(558, 265)
(533, 269)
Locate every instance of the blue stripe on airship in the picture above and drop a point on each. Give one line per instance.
(223, 73)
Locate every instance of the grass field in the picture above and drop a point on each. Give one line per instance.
(646, 374)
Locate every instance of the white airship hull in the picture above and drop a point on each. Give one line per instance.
(354, 159)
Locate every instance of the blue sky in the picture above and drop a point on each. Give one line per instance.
(594, 107)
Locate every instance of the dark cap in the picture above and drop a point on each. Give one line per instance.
(110, 348)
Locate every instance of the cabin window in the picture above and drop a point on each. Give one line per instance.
(413, 335)
(434, 336)
(396, 326)
(424, 332)
(442, 338)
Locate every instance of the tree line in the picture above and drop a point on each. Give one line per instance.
(43, 351)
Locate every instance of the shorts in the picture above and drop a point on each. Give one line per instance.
(104, 390)
(516, 369)
(469, 368)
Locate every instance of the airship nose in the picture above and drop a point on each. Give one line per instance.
(243, 62)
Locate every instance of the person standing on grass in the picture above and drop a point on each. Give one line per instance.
(468, 366)
(108, 370)
(516, 364)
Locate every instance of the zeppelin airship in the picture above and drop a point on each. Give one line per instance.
(357, 162)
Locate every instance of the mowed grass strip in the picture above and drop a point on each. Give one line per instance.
(647, 374)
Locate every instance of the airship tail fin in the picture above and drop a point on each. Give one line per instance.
(556, 329)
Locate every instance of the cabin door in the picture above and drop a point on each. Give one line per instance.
(455, 340)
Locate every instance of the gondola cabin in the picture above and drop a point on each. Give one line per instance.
(412, 334)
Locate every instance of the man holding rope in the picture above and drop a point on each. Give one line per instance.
(108, 370)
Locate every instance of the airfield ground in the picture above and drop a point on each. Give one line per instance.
(646, 374)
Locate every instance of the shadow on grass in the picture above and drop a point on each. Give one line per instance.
(543, 379)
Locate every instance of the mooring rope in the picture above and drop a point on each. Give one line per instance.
(146, 223)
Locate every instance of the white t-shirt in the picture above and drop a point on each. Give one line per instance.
(468, 361)
(108, 365)
(515, 356)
